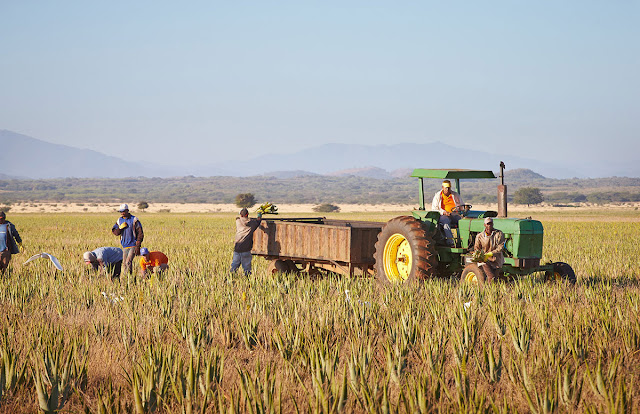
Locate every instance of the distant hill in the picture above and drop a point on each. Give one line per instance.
(330, 158)
(522, 174)
(27, 157)
(401, 172)
(367, 172)
(288, 174)
(24, 156)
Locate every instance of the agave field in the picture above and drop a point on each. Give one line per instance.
(198, 339)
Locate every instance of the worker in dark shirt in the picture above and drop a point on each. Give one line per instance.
(244, 241)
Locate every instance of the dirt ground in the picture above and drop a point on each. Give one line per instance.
(37, 207)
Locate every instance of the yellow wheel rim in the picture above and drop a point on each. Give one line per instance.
(471, 277)
(397, 258)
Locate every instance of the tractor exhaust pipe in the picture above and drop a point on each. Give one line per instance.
(502, 193)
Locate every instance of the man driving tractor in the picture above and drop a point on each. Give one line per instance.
(447, 203)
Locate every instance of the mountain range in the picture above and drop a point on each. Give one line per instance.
(26, 157)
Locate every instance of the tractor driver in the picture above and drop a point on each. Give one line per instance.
(447, 202)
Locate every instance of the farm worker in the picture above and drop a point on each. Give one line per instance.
(244, 241)
(105, 260)
(9, 241)
(129, 229)
(154, 262)
(491, 241)
(446, 202)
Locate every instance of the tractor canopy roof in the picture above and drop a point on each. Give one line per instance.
(455, 174)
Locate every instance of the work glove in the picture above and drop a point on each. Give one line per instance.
(123, 225)
(488, 256)
(21, 247)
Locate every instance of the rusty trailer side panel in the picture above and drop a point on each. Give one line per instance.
(342, 241)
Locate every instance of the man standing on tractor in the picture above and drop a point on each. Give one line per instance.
(244, 241)
(491, 242)
(447, 202)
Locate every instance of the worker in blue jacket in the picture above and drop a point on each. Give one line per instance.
(129, 229)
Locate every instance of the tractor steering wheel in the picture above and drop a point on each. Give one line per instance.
(464, 208)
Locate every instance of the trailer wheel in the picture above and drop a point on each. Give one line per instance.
(278, 266)
(474, 274)
(291, 266)
(562, 272)
(404, 252)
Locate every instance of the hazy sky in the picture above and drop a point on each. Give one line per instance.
(198, 82)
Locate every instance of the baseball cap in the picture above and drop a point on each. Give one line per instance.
(446, 183)
(89, 256)
(244, 212)
(144, 251)
(123, 207)
(488, 220)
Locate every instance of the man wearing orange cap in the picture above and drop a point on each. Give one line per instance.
(447, 202)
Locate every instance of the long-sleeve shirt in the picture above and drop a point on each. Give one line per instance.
(491, 243)
(244, 233)
(436, 204)
(132, 235)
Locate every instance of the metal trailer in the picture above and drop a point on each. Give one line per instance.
(308, 244)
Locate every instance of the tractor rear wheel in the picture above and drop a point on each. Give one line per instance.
(404, 252)
(474, 274)
(562, 272)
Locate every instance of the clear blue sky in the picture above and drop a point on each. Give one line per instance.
(198, 82)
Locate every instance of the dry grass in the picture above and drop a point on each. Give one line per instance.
(284, 343)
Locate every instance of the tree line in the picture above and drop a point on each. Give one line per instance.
(308, 190)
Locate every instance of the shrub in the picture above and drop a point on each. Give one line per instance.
(326, 208)
(246, 200)
(143, 205)
(528, 195)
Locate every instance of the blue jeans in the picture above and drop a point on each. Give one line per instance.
(243, 259)
(446, 222)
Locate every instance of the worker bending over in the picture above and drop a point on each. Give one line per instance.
(152, 262)
(106, 260)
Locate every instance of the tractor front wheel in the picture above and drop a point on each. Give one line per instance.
(562, 272)
(404, 252)
(475, 275)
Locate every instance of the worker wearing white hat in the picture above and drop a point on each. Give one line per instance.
(129, 229)
(491, 242)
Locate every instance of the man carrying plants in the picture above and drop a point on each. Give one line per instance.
(9, 241)
(129, 229)
(244, 241)
(490, 244)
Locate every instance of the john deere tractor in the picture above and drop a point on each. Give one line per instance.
(414, 247)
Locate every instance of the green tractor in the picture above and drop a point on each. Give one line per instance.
(414, 247)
